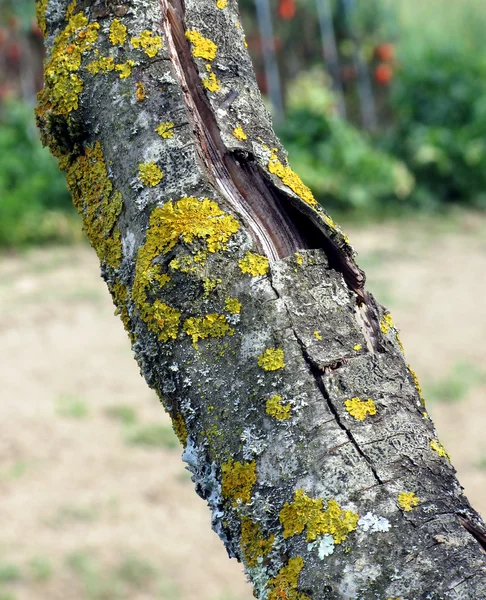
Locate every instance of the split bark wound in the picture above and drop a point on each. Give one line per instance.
(302, 425)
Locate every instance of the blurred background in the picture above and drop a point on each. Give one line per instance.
(382, 107)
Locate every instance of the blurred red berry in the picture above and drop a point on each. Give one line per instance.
(348, 73)
(385, 52)
(286, 9)
(383, 74)
(36, 29)
(14, 51)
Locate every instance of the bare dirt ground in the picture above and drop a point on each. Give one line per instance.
(94, 499)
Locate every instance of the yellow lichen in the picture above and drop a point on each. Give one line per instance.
(201, 47)
(399, 342)
(213, 325)
(285, 585)
(291, 179)
(118, 33)
(305, 512)
(299, 259)
(277, 408)
(239, 134)
(209, 285)
(360, 409)
(125, 69)
(165, 129)
(150, 174)
(119, 293)
(105, 64)
(211, 83)
(254, 264)
(180, 429)
(163, 320)
(40, 11)
(317, 335)
(272, 359)
(150, 43)
(417, 384)
(407, 500)
(232, 306)
(437, 446)
(254, 545)
(140, 91)
(237, 480)
(62, 85)
(97, 202)
(386, 323)
(221, 4)
(357, 347)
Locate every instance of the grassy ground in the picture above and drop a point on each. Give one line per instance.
(95, 503)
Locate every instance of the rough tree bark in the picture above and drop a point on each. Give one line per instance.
(301, 423)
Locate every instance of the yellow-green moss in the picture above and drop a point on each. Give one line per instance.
(437, 446)
(210, 326)
(254, 264)
(253, 544)
(40, 11)
(180, 428)
(239, 134)
(97, 202)
(386, 323)
(232, 306)
(118, 33)
(237, 480)
(150, 174)
(140, 91)
(103, 64)
(125, 69)
(211, 83)
(360, 409)
(290, 179)
(285, 585)
(201, 47)
(408, 501)
(148, 42)
(165, 129)
(305, 512)
(272, 359)
(62, 85)
(277, 408)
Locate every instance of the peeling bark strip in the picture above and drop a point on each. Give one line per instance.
(302, 425)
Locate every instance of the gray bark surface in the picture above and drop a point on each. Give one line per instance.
(301, 423)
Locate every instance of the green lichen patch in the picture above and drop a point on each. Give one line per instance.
(102, 64)
(40, 11)
(254, 264)
(254, 545)
(272, 359)
(180, 429)
(125, 69)
(237, 480)
(118, 33)
(437, 446)
(165, 130)
(210, 326)
(408, 501)
(148, 42)
(201, 47)
(98, 203)
(232, 306)
(277, 408)
(305, 512)
(360, 409)
(150, 174)
(285, 585)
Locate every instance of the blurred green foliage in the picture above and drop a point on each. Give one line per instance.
(35, 204)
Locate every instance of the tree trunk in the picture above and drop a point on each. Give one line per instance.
(301, 423)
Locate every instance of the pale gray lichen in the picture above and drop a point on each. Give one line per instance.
(373, 523)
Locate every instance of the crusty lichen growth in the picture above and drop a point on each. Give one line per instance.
(417, 384)
(97, 202)
(201, 47)
(119, 293)
(408, 501)
(285, 585)
(360, 409)
(118, 33)
(277, 408)
(386, 323)
(211, 83)
(305, 512)
(125, 69)
(221, 4)
(102, 64)
(318, 336)
(291, 180)
(150, 174)
(237, 480)
(180, 429)
(165, 129)
(62, 85)
(40, 11)
(437, 446)
(272, 359)
(254, 545)
(239, 134)
(232, 306)
(148, 42)
(357, 347)
(140, 93)
(210, 326)
(254, 264)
